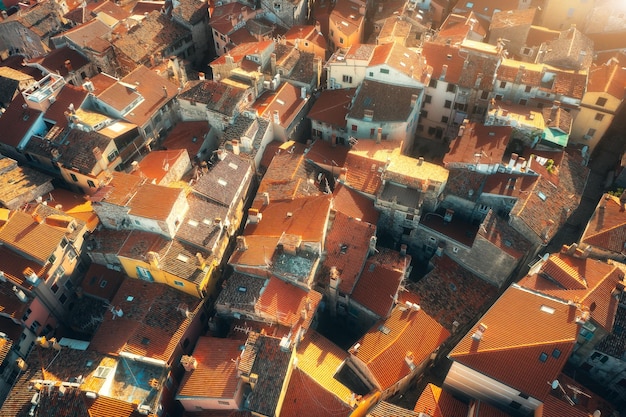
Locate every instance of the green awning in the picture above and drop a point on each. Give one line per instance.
(555, 136)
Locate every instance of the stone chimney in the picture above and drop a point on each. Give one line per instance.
(154, 259)
(273, 64)
(189, 363)
(241, 243)
(266, 198)
(379, 135)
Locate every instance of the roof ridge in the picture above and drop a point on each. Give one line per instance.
(522, 346)
(392, 340)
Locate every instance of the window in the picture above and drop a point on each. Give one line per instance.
(26, 314)
(599, 117)
(144, 274)
(52, 258)
(424, 114)
(145, 341)
(433, 83)
(527, 51)
(410, 216)
(63, 298)
(354, 128)
(277, 7)
(384, 71)
(484, 95)
(103, 283)
(556, 353)
(91, 184)
(591, 132)
(347, 79)
(74, 178)
(36, 325)
(341, 40)
(515, 405)
(444, 119)
(113, 155)
(502, 84)
(601, 101)
(54, 288)
(527, 89)
(179, 283)
(63, 243)
(451, 88)
(427, 99)
(524, 396)
(447, 104)
(406, 231)
(543, 357)
(371, 73)
(523, 101)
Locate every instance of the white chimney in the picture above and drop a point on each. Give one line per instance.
(201, 76)
(276, 117)
(189, 362)
(254, 216)
(241, 243)
(266, 198)
(447, 218)
(379, 135)
(372, 244)
(235, 144)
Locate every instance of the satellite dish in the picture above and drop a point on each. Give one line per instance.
(555, 384)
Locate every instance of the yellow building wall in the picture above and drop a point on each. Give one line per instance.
(586, 119)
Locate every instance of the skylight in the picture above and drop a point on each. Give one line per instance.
(207, 222)
(192, 223)
(222, 182)
(233, 165)
(541, 195)
(384, 329)
(547, 309)
(182, 257)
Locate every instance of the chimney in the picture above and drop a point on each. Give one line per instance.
(372, 249)
(254, 216)
(478, 334)
(447, 218)
(413, 100)
(444, 70)
(303, 93)
(379, 135)
(241, 243)
(37, 218)
(189, 362)
(318, 26)
(420, 161)
(153, 259)
(235, 144)
(266, 198)
(403, 249)
(201, 261)
(410, 360)
(276, 117)
(102, 162)
(221, 154)
(31, 276)
(4, 14)
(164, 92)
(273, 64)
(201, 76)
(68, 65)
(512, 161)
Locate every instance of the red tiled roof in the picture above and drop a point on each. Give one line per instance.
(155, 166)
(287, 302)
(345, 16)
(142, 203)
(457, 27)
(332, 106)
(489, 142)
(286, 100)
(323, 153)
(187, 135)
(522, 328)
(119, 190)
(216, 374)
(439, 55)
(240, 52)
(588, 282)
(354, 204)
(152, 323)
(110, 407)
(303, 393)
(347, 247)
(439, 403)
(39, 240)
(512, 185)
(377, 287)
(260, 249)
(17, 121)
(451, 293)
(308, 218)
(55, 60)
(305, 32)
(68, 95)
(607, 227)
(409, 331)
(362, 174)
(498, 231)
(138, 243)
(101, 281)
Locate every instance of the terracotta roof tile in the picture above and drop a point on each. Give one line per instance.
(187, 262)
(409, 331)
(142, 203)
(489, 142)
(522, 328)
(332, 106)
(155, 166)
(377, 286)
(225, 178)
(287, 303)
(286, 101)
(360, 176)
(55, 60)
(308, 219)
(353, 204)
(18, 184)
(187, 135)
(607, 227)
(36, 239)
(304, 393)
(323, 153)
(16, 121)
(571, 50)
(239, 52)
(512, 185)
(458, 27)
(386, 409)
(320, 359)
(119, 190)
(347, 248)
(498, 231)
(217, 96)
(101, 281)
(200, 227)
(404, 60)
(451, 293)
(588, 282)
(152, 322)
(346, 15)
(614, 343)
(440, 56)
(216, 372)
(461, 230)
(392, 103)
(439, 403)
(260, 250)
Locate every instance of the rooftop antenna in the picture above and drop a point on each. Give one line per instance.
(556, 384)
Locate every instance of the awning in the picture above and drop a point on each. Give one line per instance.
(555, 136)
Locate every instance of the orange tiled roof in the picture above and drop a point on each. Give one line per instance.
(534, 332)
(362, 174)
(152, 323)
(216, 373)
(101, 281)
(609, 77)
(36, 239)
(308, 218)
(353, 204)
(347, 247)
(183, 134)
(110, 407)
(607, 227)
(439, 55)
(260, 250)
(377, 287)
(439, 403)
(332, 106)
(240, 52)
(286, 100)
(155, 165)
(586, 281)
(489, 142)
(319, 358)
(500, 233)
(384, 351)
(287, 303)
(304, 393)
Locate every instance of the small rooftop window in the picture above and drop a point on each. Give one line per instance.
(541, 195)
(222, 182)
(130, 298)
(192, 223)
(556, 353)
(543, 357)
(145, 341)
(182, 257)
(547, 309)
(384, 329)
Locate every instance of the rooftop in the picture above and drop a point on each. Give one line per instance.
(150, 320)
(332, 106)
(203, 225)
(607, 227)
(354, 204)
(16, 183)
(384, 347)
(224, 180)
(17, 121)
(439, 403)
(304, 393)
(389, 103)
(546, 329)
(155, 166)
(479, 144)
(451, 293)
(187, 135)
(347, 248)
(285, 104)
(216, 373)
(217, 96)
